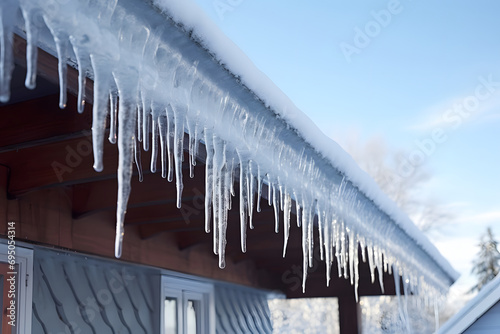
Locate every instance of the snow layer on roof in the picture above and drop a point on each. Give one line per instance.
(156, 83)
(474, 309)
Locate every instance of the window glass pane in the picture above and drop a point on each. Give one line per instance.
(170, 316)
(192, 317)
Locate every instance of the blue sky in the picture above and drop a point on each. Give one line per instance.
(400, 70)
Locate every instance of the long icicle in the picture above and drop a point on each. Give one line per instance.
(178, 151)
(208, 179)
(32, 32)
(102, 79)
(126, 141)
(243, 205)
(61, 48)
(286, 220)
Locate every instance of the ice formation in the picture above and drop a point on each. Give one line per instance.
(158, 79)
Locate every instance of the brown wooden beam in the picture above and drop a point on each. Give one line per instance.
(349, 312)
(4, 179)
(47, 68)
(91, 198)
(41, 122)
(148, 231)
(57, 164)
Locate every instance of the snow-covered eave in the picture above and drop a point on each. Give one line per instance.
(171, 64)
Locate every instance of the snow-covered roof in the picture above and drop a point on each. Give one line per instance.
(474, 309)
(173, 72)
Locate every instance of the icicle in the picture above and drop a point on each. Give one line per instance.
(233, 193)
(377, 255)
(137, 159)
(305, 255)
(32, 32)
(102, 80)
(155, 112)
(298, 212)
(350, 256)
(215, 200)
(113, 116)
(356, 269)
(269, 190)
(219, 169)
(208, 180)
(344, 253)
(251, 192)
(276, 209)
(140, 118)
(310, 238)
(82, 63)
(146, 122)
(321, 222)
(397, 286)
(243, 204)
(178, 151)
(371, 261)
(61, 48)
(7, 17)
(126, 139)
(192, 163)
(387, 266)
(225, 179)
(327, 242)
(196, 147)
(170, 142)
(162, 128)
(259, 188)
(232, 168)
(406, 293)
(222, 223)
(280, 187)
(338, 248)
(191, 146)
(286, 220)
(362, 245)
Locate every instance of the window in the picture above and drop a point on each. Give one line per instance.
(16, 280)
(188, 306)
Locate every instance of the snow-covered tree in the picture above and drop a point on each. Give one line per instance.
(487, 263)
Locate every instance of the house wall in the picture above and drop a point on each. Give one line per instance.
(488, 323)
(46, 217)
(241, 310)
(73, 293)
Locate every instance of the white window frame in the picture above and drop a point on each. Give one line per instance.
(24, 259)
(183, 290)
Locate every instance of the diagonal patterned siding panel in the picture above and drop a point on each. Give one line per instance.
(74, 294)
(76, 278)
(60, 292)
(241, 310)
(44, 305)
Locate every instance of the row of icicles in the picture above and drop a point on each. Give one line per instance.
(134, 116)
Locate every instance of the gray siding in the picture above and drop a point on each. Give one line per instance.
(488, 323)
(241, 310)
(76, 294)
(73, 294)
